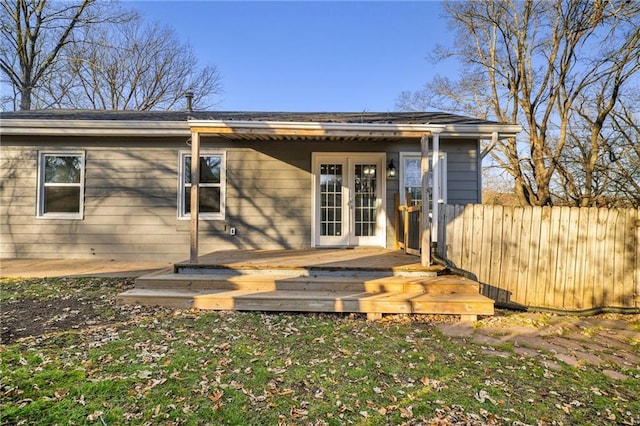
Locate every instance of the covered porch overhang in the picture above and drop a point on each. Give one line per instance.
(249, 130)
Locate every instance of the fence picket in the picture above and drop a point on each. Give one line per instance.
(629, 260)
(513, 273)
(530, 280)
(636, 290)
(507, 254)
(591, 267)
(618, 254)
(468, 237)
(571, 299)
(477, 242)
(581, 258)
(495, 261)
(551, 285)
(609, 258)
(544, 267)
(456, 245)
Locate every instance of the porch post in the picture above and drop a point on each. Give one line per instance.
(436, 185)
(195, 192)
(425, 242)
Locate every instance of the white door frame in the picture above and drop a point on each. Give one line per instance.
(349, 159)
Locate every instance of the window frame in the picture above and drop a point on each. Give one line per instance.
(40, 201)
(182, 187)
(443, 174)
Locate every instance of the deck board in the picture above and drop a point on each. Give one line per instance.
(374, 259)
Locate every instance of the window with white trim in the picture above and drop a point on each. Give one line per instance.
(212, 186)
(410, 183)
(61, 185)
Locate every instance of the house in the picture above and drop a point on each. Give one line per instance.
(118, 184)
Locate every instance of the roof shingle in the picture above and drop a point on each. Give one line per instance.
(324, 117)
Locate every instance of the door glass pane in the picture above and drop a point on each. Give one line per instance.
(331, 199)
(365, 200)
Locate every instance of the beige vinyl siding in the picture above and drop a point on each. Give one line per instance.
(129, 209)
(131, 185)
(269, 195)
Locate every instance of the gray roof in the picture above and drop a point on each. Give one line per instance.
(324, 117)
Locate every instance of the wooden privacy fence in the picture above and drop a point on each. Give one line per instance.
(557, 257)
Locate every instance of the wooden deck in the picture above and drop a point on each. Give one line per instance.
(374, 259)
(370, 281)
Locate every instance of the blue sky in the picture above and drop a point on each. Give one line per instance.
(310, 56)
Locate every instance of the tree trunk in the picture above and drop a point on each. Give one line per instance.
(25, 98)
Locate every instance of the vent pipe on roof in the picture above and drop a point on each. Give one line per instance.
(189, 97)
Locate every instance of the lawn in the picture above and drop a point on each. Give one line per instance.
(70, 356)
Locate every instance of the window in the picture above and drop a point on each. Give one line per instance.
(61, 185)
(411, 185)
(212, 186)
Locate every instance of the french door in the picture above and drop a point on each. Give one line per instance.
(349, 199)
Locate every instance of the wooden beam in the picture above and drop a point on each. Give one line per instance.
(319, 132)
(435, 185)
(425, 242)
(195, 195)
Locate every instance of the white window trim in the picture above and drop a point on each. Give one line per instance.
(40, 213)
(223, 186)
(443, 174)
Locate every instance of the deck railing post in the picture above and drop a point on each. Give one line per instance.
(195, 192)
(396, 218)
(425, 241)
(407, 229)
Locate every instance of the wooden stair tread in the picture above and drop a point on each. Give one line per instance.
(303, 295)
(311, 283)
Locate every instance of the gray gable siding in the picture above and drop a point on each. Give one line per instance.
(131, 195)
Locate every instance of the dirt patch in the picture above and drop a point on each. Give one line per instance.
(32, 317)
(35, 307)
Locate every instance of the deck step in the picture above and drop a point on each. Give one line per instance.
(312, 301)
(428, 285)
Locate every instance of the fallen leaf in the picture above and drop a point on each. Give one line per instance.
(216, 395)
(94, 416)
(406, 413)
(483, 396)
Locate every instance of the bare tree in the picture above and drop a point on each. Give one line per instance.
(91, 54)
(36, 33)
(541, 63)
(624, 154)
(134, 66)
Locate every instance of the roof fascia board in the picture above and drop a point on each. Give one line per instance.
(310, 125)
(93, 128)
(482, 131)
